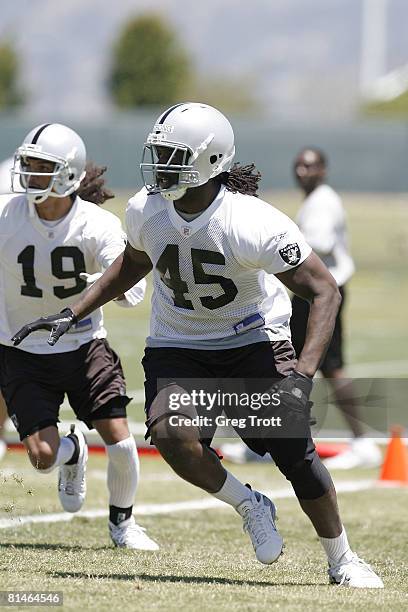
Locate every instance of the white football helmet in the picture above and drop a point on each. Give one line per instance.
(201, 145)
(55, 143)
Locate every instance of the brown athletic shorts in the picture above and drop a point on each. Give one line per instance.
(167, 369)
(34, 385)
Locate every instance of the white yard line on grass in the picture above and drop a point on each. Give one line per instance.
(206, 503)
(138, 430)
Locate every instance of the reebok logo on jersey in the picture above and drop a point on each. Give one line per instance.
(290, 254)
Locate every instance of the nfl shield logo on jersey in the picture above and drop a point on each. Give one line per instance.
(186, 231)
(290, 254)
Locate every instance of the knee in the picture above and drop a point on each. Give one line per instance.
(172, 444)
(309, 477)
(164, 443)
(112, 431)
(42, 458)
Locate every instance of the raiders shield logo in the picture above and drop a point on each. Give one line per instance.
(290, 254)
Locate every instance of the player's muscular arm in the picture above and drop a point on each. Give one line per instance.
(127, 270)
(314, 283)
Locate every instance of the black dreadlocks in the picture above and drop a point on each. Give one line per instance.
(243, 179)
(92, 187)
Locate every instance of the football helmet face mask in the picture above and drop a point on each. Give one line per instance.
(54, 143)
(189, 144)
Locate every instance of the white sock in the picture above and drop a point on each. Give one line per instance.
(64, 453)
(233, 492)
(123, 472)
(337, 548)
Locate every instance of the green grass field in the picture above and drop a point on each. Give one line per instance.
(205, 560)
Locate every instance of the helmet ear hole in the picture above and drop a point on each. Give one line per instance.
(213, 159)
(71, 176)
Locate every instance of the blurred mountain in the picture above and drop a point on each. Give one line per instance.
(303, 56)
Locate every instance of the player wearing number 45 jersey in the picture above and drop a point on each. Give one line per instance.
(53, 244)
(220, 312)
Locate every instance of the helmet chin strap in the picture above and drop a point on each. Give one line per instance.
(37, 198)
(174, 194)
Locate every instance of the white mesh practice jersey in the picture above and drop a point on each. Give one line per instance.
(40, 266)
(322, 220)
(209, 274)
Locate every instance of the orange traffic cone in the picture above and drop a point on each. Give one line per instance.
(395, 466)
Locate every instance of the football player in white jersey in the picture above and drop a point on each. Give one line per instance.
(209, 242)
(322, 221)
(53, 244)
(92, 189)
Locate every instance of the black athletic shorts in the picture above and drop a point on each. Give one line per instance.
(34, 385)
(165, 367)
(333, 359)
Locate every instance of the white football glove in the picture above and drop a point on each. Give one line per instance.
(90, 279)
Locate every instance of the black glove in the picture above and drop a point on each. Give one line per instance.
(57, 324)
(294, 391)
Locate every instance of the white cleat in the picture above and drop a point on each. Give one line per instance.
(355, 573)
(258, 514)
(71, 481)
(363, 453)
(128, 534)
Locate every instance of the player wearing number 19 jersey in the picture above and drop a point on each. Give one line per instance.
(52, 245)
(41, 264)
